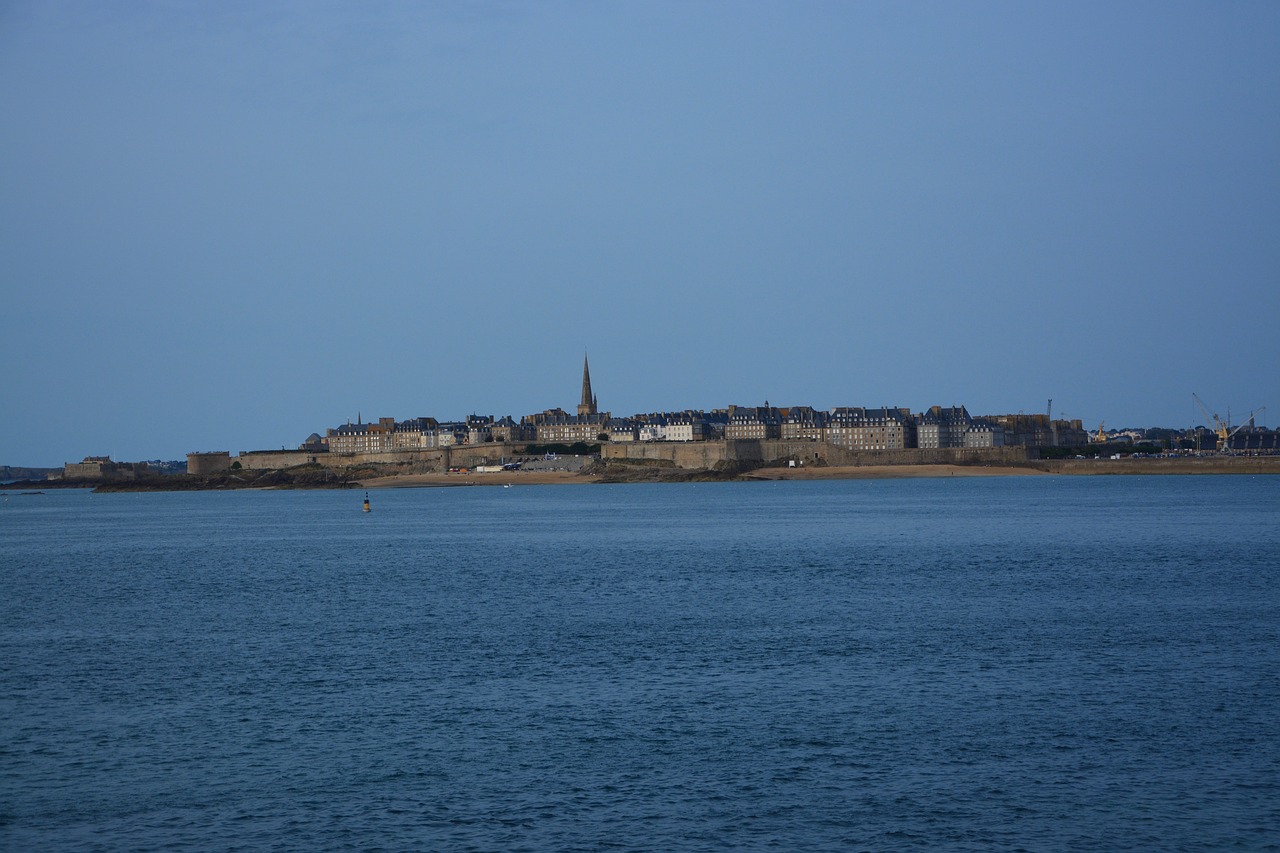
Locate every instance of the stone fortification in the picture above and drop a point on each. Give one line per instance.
(441, 459)
(261, 460)
(682, 454)
(215, 462)
(705, 454)
(102, 468)
(691, 455)
(212, 462)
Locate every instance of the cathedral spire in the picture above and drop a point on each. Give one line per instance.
(588, 404)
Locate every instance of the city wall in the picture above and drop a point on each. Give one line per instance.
(705, 454)
(681, 454)
(104, 469)
(202, 464)
(415, 461)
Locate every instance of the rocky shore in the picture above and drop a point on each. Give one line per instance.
(303, 477)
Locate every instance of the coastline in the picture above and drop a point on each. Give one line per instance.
(547, 478)
(1069, 468)
(1255, 465)
(1088, 467)
(503, 478)
(888, 472)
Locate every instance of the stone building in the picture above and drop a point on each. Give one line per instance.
(102, 468)
(686, 425)
(1039, 431)
(804, 423)
(363, 438)
(479, 429)
(857, 428)
(651, 427)
(415, 434)
(506, 429)
(983, 433)
(942, 427)
(557, 427)
(622, 430)
(753, 422)
(452, 434)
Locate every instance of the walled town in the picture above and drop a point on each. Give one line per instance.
(742, 436)
(728, 440)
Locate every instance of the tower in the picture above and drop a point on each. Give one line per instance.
(588, 404)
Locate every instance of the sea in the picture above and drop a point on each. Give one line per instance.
(973, 664)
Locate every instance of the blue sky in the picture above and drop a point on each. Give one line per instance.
(225, 226)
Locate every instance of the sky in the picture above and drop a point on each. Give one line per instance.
(226, 226)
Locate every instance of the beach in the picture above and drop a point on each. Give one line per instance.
(842, 472)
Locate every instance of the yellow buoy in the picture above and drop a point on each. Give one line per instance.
(366, 503)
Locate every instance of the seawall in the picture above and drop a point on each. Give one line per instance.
(681, 454)
(705, 454)
(412, 461)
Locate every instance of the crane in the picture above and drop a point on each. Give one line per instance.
(1222, 428)
(1219, 425)
(1248, 421)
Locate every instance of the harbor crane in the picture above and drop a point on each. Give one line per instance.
(1222, 428)
(1248, 421)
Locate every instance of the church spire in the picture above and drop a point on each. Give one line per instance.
(588, 404)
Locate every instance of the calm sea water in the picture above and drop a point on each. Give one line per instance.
(966, 664)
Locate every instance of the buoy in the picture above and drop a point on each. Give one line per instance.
(367, 508)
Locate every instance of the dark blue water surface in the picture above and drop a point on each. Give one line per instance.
(1042, 663)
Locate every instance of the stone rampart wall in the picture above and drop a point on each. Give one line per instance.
(203, 464)
(705, 454)
(490, 453)
(104, 470)
(268, 460)
(927, 456)
(682, 454)
(440, 459)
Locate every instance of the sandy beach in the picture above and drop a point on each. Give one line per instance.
(544, 478)
(504, 478)
(886, 472)
(1069, 467)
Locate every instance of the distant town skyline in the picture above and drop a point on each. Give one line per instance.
(845, 426)
(230, 225)
(586, 409)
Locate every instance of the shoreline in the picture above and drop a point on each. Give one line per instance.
(1256, 465)
(889, 472)
(548, 478)
(503, 478)
(1069, 468)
